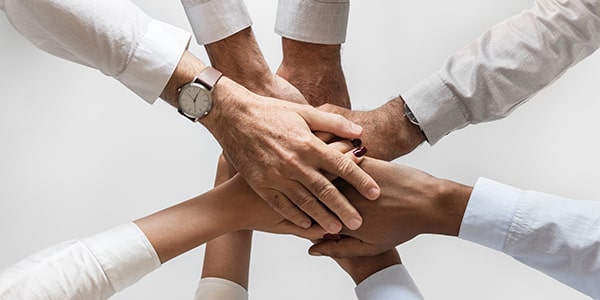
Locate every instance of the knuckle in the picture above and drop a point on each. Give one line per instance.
(346, 167)
(307, 203)
(277, 203)
(326, 191)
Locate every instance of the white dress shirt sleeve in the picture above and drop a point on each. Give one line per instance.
(113, 36)
(211, 288)
(391, 283)
(93, 268)
(505, 66)
(313, 21)
(558, 236)
(214, 20)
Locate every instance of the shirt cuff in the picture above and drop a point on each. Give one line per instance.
(219, 288)
(154, 60)
(489, 214)
(124, 253)
(215, 20)
(319, 22)
(393, 282)
(435, 107)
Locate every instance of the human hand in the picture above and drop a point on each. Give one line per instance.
(270, 142)
(316, 70)
(256, 214)
(360, 268)
(412, 203)
(388, 133)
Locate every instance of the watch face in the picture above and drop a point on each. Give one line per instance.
(195, 100)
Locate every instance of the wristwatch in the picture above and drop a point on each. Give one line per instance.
(410, 116)
(195, 98)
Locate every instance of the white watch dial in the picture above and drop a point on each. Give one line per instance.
(195, 100)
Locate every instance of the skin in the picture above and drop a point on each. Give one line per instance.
(228, 256)
(316, 71)
(230, 207)
(286, 168)
(412, 203)
(388, 133)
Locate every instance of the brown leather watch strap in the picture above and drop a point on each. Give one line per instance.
(209, 77)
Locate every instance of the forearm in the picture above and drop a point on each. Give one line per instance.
(316, 70)
(185, 226)
(312, 33)
(228, 257)
(505, 66)
(239, 57)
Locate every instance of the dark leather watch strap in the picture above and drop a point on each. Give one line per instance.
(209, 77)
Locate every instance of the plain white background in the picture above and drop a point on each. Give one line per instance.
(79, 153)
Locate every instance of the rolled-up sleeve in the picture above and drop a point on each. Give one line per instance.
(319, 22)
(391, 283)
(214, 20)
(505, 66)
(113, 36)
(555, 235)
(94, 268)
(219, 288)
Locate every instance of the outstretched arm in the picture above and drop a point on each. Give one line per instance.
(505, 66)
(98, 266)
(226, 258)
(101, 265)
(555, 235)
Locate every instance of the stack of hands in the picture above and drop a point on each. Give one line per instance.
(294, 153)
(290, 147)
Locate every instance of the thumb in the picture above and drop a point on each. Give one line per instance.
(330, 122)
(343, 248)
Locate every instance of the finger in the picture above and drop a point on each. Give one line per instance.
(329, 195)
(343, 248)
(282, 205)
(356, 155)
(327, 107)
(313, 233)
(310, 205)
(330, 122)
(325, 136)
(345, 168)
(342, 146)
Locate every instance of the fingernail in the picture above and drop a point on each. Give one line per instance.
(359, 152)
(356, 128)
(315, 253)
(356, 142)
(373, 193)
(354, 223)
(305, 225)
(329, 236)
(335, 227)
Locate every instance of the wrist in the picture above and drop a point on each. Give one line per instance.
(451, 203)
(239, 57)
(367, 266)
(404, 135)
(187, 69)
(316, 70)
(229, 102)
